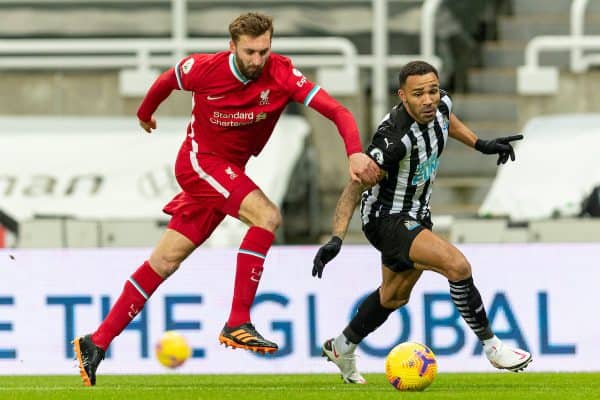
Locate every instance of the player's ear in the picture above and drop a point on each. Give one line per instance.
(232, 46)
(402, 95)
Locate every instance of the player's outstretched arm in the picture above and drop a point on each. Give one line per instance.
(459, 131)
(158, 92)
(501, 146)
(341, 219)
(361, 167)
(345, 207)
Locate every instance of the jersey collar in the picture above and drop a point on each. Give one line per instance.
(235, 71)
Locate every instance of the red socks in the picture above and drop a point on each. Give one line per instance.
(138, 289)
(140, 286)
(250, 260)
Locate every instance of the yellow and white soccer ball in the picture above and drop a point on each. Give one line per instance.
(410, 366)
(172, 349)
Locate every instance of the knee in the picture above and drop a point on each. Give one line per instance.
(164, 264)
(270, 218)
(458, 268)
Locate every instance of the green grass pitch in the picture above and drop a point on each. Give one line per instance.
(317, 386)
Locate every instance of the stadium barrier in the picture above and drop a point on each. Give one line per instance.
(533, 188)
(109, 170)
(562, 230)
(534, 79)
(139, 58)
(536, 295)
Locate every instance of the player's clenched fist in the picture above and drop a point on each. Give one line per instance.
(363, 169)
(148, 126)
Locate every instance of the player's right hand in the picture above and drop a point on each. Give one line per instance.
(148, 126)
(363, 169)
(325, 254)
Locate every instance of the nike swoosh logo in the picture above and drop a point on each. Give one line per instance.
(521, 354)
(335, 353)
(214, 97)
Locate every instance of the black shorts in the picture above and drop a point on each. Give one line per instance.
(393, 235)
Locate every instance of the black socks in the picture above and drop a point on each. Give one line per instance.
(371, 314)
(467, 300)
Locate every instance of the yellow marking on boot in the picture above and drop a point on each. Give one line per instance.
(243, 336)
(84, 376)
(228, 342)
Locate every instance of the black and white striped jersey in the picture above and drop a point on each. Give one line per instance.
(409, 153)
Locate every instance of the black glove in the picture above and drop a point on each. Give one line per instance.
(500, 146)
(325, 254)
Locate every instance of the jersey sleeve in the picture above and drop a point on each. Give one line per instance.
(386, 149)
(190, 70)
(158, 92)
(341, 117)
(299, 87)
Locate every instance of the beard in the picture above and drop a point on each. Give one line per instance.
(251, 72)
(421, 115)
(428, 116)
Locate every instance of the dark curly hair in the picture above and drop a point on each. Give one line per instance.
(415, 68)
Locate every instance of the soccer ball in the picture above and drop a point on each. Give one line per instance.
(172, 349)
(410, 366)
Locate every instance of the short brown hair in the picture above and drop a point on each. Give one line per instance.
(415, 68)
(252, 24)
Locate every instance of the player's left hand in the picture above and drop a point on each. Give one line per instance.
(325, 254)
(363, 169)
(148, 126)
(500, 146)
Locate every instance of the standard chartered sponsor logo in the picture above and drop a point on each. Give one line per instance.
(238, 118)
(236, 115)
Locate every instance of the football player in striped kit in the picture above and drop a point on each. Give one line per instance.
(396, 219)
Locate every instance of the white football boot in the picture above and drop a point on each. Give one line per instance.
(345, 362)
(505, 357)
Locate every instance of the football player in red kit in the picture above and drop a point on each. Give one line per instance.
(238, 96)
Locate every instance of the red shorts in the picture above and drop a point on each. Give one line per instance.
(212, 188)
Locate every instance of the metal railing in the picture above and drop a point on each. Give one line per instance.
(535, 79)
(142, 55)
(581, 62)
(145, 54)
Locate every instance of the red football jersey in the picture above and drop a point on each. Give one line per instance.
(232, 116)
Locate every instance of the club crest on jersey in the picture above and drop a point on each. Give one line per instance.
(261, 116)
(410, 224)
(187, 66)
(377, 155)
(264, 97)
(231, 173)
